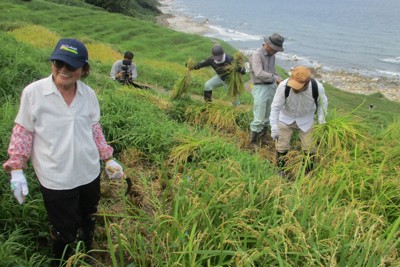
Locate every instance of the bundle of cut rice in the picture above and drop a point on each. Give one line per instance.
(181, 87)
(235, 79)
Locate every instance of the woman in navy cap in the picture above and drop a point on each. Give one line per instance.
(58, 128)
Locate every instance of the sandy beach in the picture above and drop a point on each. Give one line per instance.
(351, 82)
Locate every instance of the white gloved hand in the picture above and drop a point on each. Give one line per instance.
(274, 133)
(321, 119)
(113, 169)
(19, 185)
(278, 79)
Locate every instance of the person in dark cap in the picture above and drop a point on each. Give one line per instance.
(219, 61)
(293, 109)
(58, 128)
(124, 70)
(265, 79)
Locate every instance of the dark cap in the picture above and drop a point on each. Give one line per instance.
(275, 41)
(72, 52)
(217, 52)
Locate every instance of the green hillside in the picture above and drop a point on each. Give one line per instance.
(200, 195)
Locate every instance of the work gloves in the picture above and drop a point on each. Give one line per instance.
(190, 67)
(113, 169)
(242, 70)
(19, 185)
(275, 132)
(278, 79)
(321, 119)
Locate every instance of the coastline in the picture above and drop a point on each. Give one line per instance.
(346, 81)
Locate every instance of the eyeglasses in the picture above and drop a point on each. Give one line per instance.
(60, 64)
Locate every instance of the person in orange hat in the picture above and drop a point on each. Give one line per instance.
(296, 101)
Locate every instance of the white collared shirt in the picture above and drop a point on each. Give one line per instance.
(64, 153)
(299, 108)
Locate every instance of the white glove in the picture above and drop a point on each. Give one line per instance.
(19, 185)
(274, 133)
(113, 169)
(277, 79)
(321, 119)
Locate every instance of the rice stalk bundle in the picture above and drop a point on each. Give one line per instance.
(181, 87)
(219, 116)
(341, 133)
(235, 79)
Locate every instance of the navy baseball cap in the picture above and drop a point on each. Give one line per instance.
(72, 52)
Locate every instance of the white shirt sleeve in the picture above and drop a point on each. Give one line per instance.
(277, 104)
(114, 70)
(322, 111)
(134, 71)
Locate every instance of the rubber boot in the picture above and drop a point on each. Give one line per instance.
(87, 234)
(254, 138)
(264, 136)
(88, 226)
(60, 249)
(308, 160)
(280, 163)
(207, 96)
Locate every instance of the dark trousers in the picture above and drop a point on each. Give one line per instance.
(69, 210)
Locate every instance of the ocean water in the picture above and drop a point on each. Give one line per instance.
(360, 36)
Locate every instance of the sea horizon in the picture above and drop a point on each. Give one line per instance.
(314, 36)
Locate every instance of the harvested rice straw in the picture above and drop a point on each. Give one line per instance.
(181, 87)
(235, 79)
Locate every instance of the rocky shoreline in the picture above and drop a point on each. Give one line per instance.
(348, 81)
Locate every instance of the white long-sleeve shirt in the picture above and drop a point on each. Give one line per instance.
(299, 108)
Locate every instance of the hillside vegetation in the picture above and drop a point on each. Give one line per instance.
(200, 195)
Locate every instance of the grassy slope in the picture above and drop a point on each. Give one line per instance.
(161, 54)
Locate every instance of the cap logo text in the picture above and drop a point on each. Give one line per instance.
(69, 49)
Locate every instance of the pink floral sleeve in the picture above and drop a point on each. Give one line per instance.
(19, 149)
(106, 151)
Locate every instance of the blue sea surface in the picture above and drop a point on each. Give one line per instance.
(351, 35)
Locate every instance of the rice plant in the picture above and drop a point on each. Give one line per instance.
(221, 117)
(339, 133)
(181, 87)
(235, 78)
